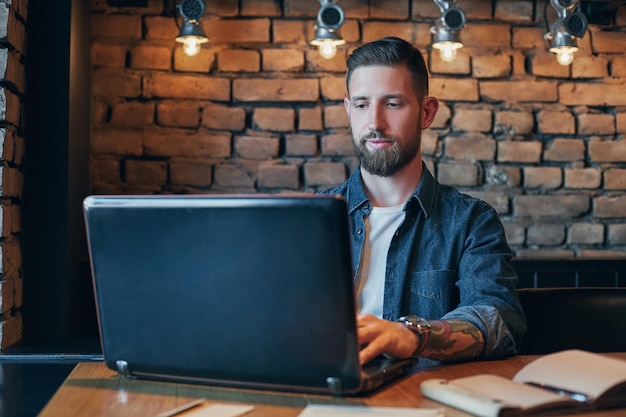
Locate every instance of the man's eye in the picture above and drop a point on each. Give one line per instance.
(359, 105)
(393, 104)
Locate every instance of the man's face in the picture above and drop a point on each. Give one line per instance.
(385, 118)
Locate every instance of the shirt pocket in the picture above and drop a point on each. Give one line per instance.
(433, 293)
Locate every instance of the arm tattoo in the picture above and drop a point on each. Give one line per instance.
(453, 341)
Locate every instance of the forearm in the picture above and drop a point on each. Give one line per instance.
(453, 340)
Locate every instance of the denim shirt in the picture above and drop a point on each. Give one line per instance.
(449, 259)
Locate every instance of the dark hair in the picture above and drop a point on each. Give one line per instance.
(391, 52)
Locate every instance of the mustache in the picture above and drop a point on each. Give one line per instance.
(377, 135)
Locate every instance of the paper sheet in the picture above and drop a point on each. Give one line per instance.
(198, 409)
(318, 410)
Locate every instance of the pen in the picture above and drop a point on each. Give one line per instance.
(576, 396)
(182, 408)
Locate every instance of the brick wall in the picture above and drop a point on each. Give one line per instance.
(12, 88)
(260, 111)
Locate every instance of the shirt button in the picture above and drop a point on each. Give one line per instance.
(360, 231)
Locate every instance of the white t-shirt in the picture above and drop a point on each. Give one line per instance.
(380, 226)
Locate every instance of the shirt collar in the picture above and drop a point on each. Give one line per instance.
(423, 196)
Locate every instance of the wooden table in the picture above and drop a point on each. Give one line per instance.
(94, 390)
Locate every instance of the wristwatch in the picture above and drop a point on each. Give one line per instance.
(419, 326)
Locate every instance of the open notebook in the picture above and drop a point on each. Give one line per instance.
(236, 290)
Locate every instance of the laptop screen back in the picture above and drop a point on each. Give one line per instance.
(233, 290)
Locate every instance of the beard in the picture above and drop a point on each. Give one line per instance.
(386, 162)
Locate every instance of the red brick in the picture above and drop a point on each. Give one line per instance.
(617, 234)
(239, 60)
(310, 119)
(519, 152)
(146, 172)
(274, 119)
(235, 177)
(178, 114)
(528, 38)
(474, 147)
(621, 122)
(275, 90)
(442, 118)
(108, 55)
(458, 174)
(497, 200)
(223, 7)
(375, 30)
(607, 151)
(116, 142)
(486, 35)
(335, 116)
(203, 62)
(519, 91)
(289, 31)
(216, 116)
(430, 143)
(390, 10)
(545, 234)
(618, 66)
(103, 171)
(543, 177)
(161, 28)
(132, 115)
(460, 65)
(544, 64)
(337, 145)
(609, 207)
(179, 144)
(615, 179)
(477, 9)
(325, 174)
(560, 122)
(260, 8)
(565, 150)
(491, 66)
(454, 89)
(229, 31)
(146, 56)
(301, 145)
(590, 67)
(472, 120)
(514, 122)
(424, 8)
(561, 206)
(298, 8)
(116, 26)
(583, 178)
(314, 62)
(278, 176)
(285, 60)
(186, 86)
(596, 124)
(333, 88)
(593, 94)
(518, 11)
(256, 147)
(191, 172)
(608, 42)
(585, 233)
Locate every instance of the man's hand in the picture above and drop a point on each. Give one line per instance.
(379, 336)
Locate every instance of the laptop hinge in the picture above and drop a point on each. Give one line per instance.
(334, 385)
(122, 368)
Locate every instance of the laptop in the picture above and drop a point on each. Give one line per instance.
(251, 291)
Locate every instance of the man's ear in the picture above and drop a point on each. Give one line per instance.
(430, 105)
(346, 104)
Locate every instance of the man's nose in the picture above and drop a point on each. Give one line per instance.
(376, 119)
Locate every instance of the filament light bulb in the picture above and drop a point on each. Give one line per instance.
(328, 49)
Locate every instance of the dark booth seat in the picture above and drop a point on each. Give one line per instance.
(592, 319)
